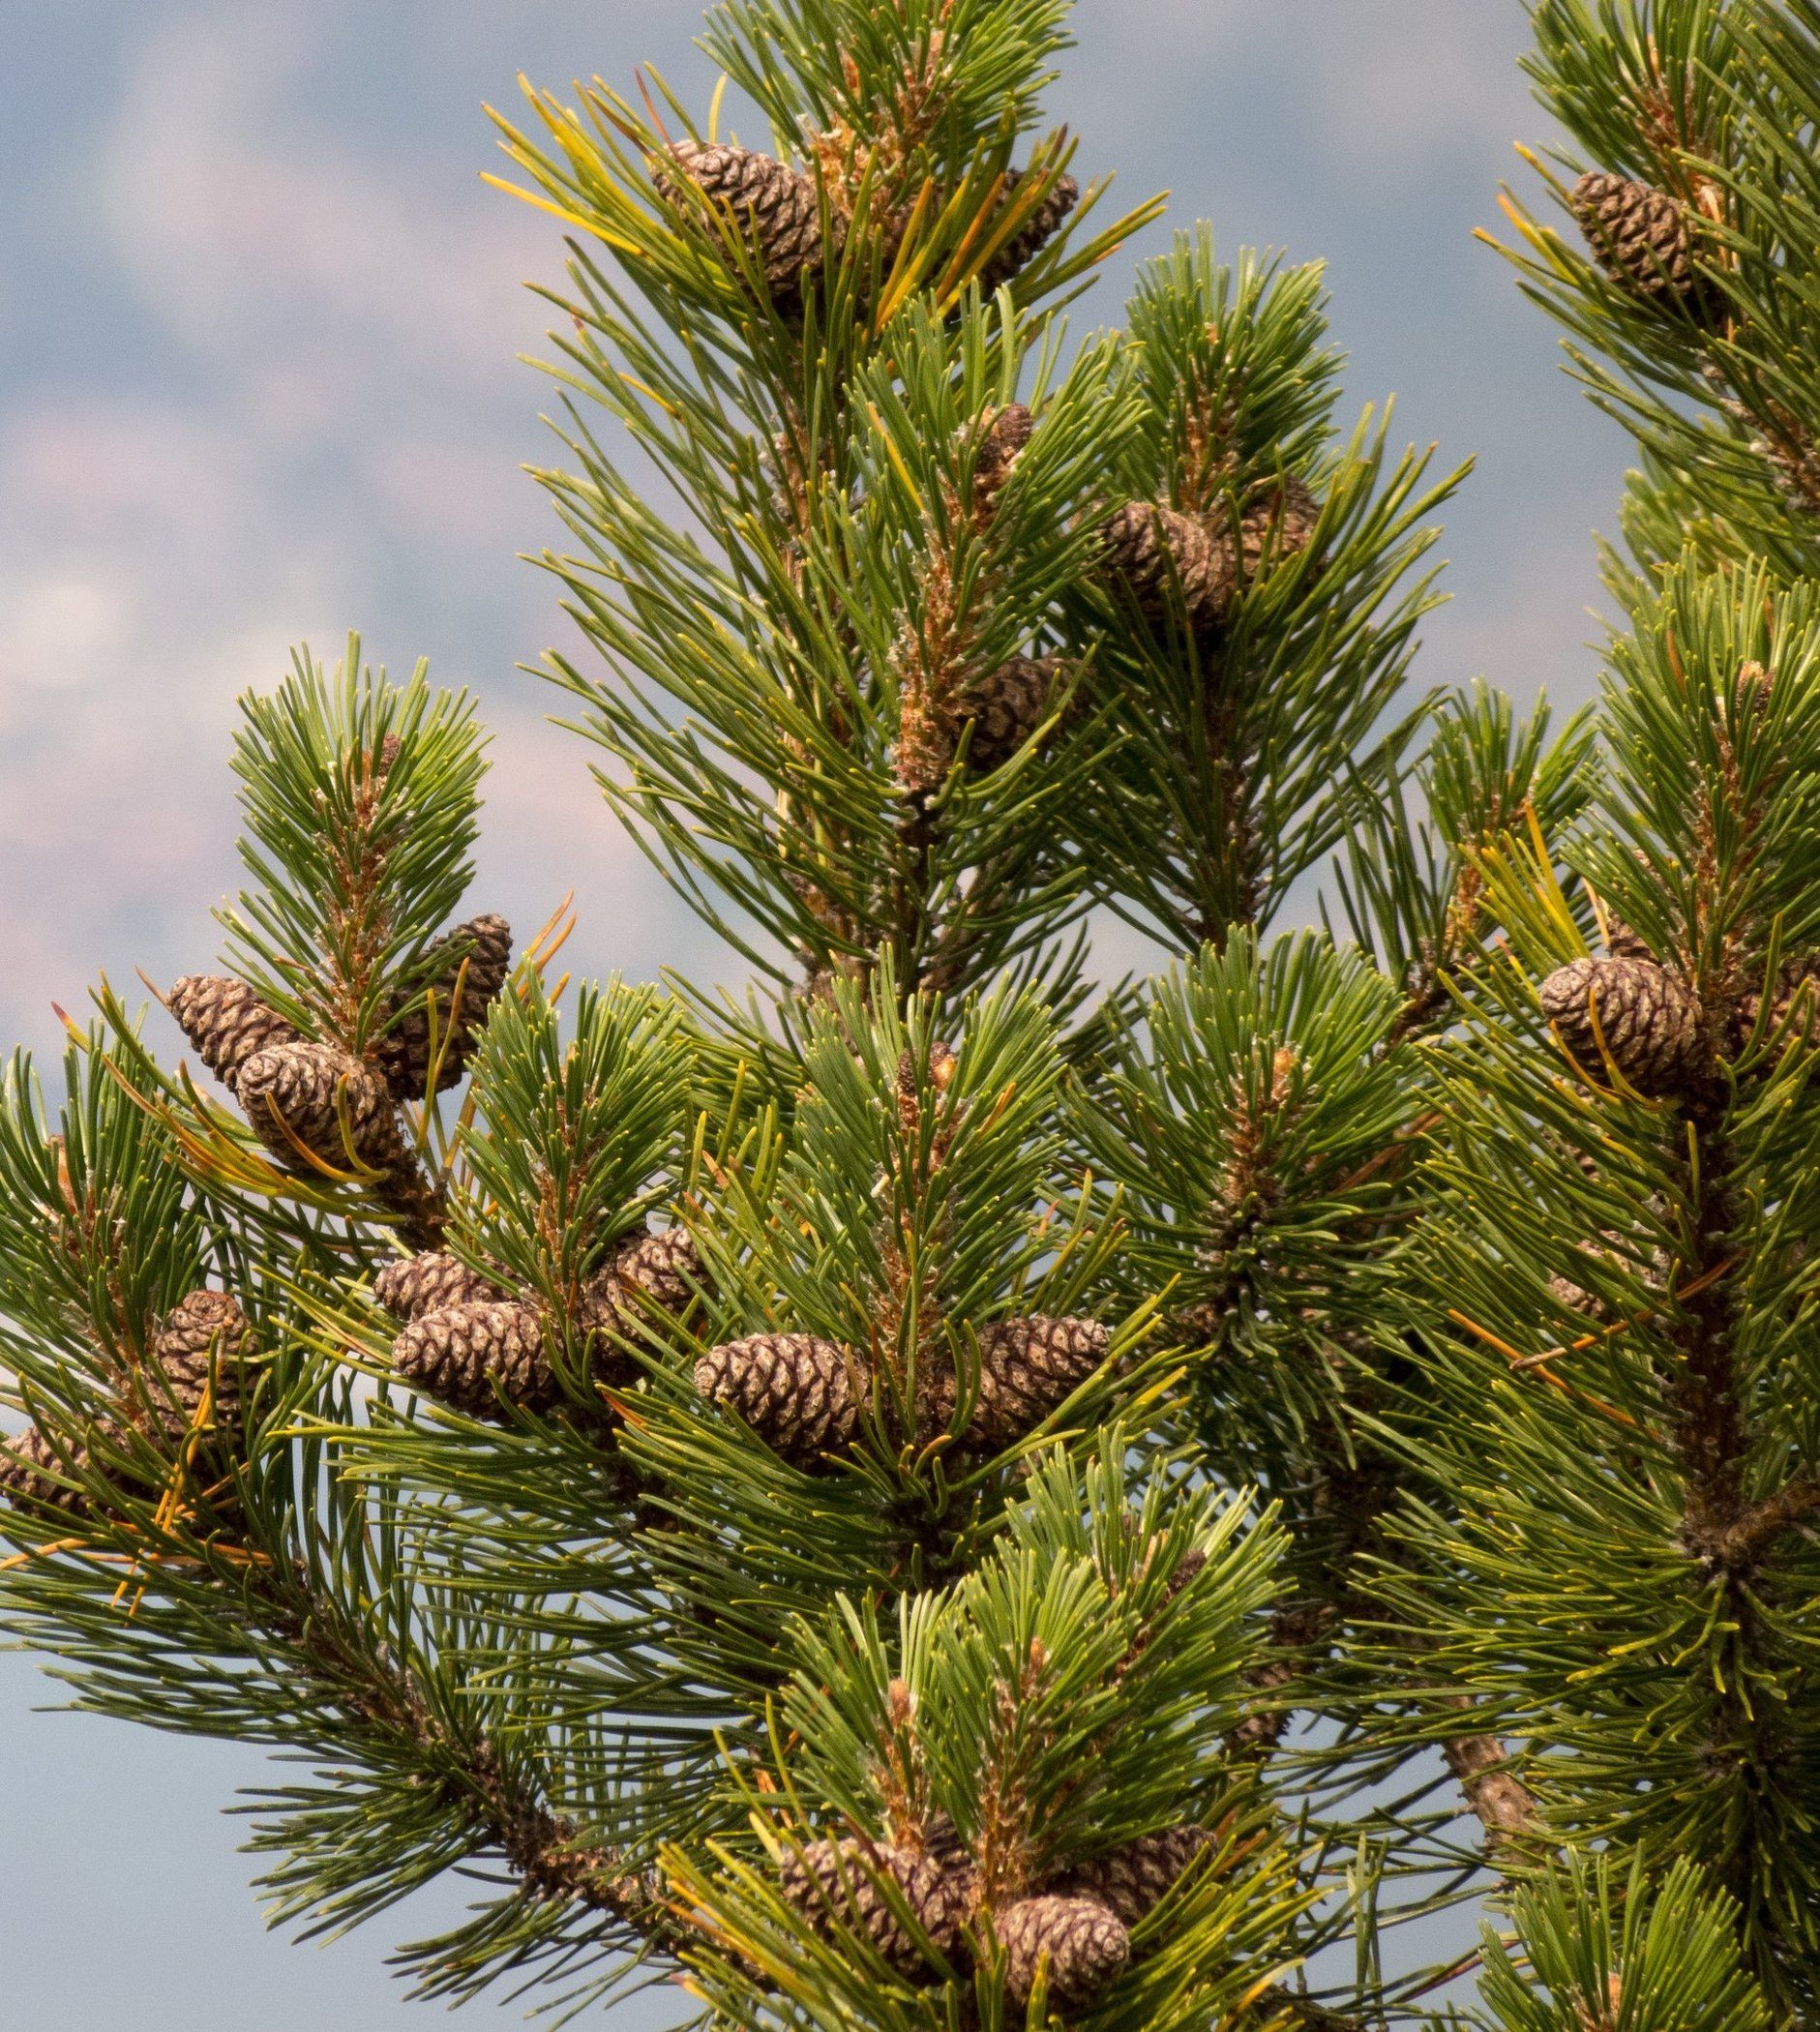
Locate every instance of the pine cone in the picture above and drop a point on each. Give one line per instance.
(34, 1472)
(776, 205)
(1006, 708)
(1130, 1881)
(404, 1050)
(295, 1093)
(1795, 1006)
(475, 1355)
(1042, 225)
(410, 1286)
(1640, 237)
(800, 1396)
(836, 1883)
(1083, 1946)
(198, 1346)
(1027, 1368)
(1171, 566)
(225, 1022)
(647, 1271)
(1277, 526)
(1649, 1022)
(1003, 439)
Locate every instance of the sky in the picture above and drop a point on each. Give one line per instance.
(260, 385)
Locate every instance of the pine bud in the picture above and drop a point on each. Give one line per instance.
(777, 207)
(225, 1022)
(484, 946)
(800, 1396)
(1082, 1947)
(475, 1355)
(410, 1286)
(1026, 1369)
(1640, 236)
(1171, 566)
(1648, 1020)
(297, 1094)
(1130, 1881)
(838, 1883)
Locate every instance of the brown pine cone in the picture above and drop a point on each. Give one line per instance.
(410, 1286)
(1649, 1019)
(1027, 1368)
(1277, 524)
(1640, 236)
(1004, 435)
(646, 1272)
(802, 1396)
(1083, 1947)
(1042, 225)
(1794, 1008)
(475, 1355)
(837, 1883)
(775, 205)
(1006, 708)
(199, 1345)
(1129, 1881)
(1171, 566)
(36, 1473)
(295, 1094)
(404, 1052)
(225, 1022)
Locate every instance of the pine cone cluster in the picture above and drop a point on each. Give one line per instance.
(473, 1345)
(475, 958)
(805, 1397)
(1642, 239)
(1648, 1020)
(192, 1386)
(1176, 567)
(1074, 1932)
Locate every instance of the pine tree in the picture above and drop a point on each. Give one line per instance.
(932, 1495)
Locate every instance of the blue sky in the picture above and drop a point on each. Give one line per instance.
(259, 322)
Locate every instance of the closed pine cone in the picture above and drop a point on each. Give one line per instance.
(837, 1883)
(776, 205)
(198, 1346)
(485, 943)
(1277, 526)
(225, 1022)
(1027, 1368)
(410, 1286)
(1794, 1006)
(1130, 1881)
(1006, 708)
(1004, 435)
(301, 1088)
(475, 1355)
(799, 1394)
(1083, 1946)
(1649, 1019)
(646, 1274)
(1170, 565)
(1041, 226)
(35, 1473)
(1640, 237)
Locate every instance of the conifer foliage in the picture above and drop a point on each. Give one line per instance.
(928, 1497)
